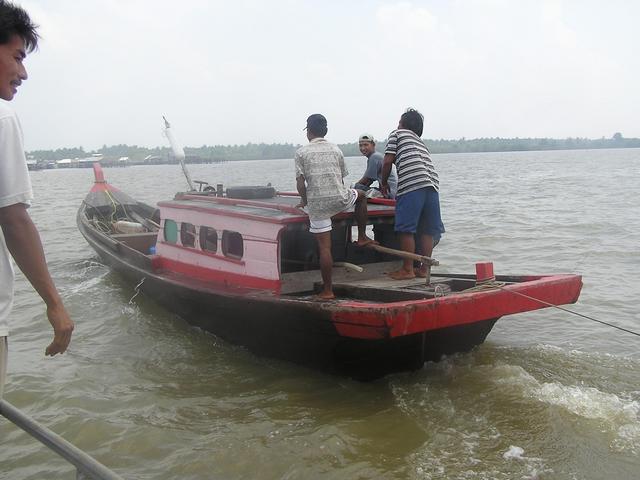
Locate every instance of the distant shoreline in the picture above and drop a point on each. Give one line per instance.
(135, 155)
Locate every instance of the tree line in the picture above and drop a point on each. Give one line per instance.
(263, 151)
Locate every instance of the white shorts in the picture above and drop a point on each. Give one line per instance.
(3, 362)
(324, 225)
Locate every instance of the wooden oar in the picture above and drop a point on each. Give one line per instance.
(401, 253)
(428, 261)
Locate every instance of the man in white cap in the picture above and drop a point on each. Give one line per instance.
(367, 145)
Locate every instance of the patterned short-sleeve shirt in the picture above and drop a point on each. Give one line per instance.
(413, 161)
(322, 165)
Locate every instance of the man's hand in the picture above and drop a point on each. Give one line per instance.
(389, 160)
(302, 191)
(62, 330)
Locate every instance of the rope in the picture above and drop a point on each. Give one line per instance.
(439, 291)
(115, 208)
(571, 311)
(137, 290)
(490, 283)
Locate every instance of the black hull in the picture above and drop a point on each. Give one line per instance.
(284, 328)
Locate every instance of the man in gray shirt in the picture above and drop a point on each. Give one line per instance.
(373, 172)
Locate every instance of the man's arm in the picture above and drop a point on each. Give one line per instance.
(389, 160)
(23, 242)
(302, 190)
(364, 181)
(370, 174)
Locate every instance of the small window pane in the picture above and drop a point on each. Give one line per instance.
(170, 231)
(232, 244)
(209, 239)
(187, 235)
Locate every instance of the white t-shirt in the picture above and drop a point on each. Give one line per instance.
(15, 187)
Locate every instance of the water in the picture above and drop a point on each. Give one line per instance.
(549, 395)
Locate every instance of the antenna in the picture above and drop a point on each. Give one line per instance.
(178, 151)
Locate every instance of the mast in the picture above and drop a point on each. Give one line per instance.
(178, 152)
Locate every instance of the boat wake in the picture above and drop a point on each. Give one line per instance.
(483, 405)
(616, 415)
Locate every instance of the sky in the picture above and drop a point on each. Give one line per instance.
(233, 72)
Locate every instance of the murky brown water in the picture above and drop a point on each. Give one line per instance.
(549, 395)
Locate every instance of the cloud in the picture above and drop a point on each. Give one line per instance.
(556, 27)
(233, 72)
(405, 19)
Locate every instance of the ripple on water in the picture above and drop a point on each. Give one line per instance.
(547, 396)
(477, 407)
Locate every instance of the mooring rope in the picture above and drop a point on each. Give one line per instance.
(491, 283)
(137, 290)
(571, 311)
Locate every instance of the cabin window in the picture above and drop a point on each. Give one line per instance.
(170, 231)
(232, 244)
(187, 234)
(209, 239)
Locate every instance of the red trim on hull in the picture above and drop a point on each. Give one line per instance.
(98, 173)
(103, 187)
(219, 277)
(101, 184)
(382, 201)
(372, 321)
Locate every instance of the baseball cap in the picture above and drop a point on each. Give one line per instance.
(365, 137)
(316, 122)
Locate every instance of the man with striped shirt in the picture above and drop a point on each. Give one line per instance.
(417, 201)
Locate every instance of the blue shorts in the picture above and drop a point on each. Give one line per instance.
(419, 212)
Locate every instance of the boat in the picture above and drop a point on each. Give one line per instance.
(239, 262)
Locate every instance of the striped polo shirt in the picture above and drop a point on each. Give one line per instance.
(413, 161)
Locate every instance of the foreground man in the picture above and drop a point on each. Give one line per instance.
(320, 170)
(19, 237)
(417, 201)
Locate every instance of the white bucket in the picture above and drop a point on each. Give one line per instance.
(122, 226)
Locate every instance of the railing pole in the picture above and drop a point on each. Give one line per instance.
(87, 467)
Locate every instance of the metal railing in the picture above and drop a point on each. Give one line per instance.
(87, 468)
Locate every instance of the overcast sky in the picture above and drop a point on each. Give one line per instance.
(232, 72)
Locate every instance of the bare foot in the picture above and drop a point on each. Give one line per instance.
(420, 273)
(324, 296)
(402, 275)
(365, 241)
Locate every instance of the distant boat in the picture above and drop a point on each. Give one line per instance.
(242, 264)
